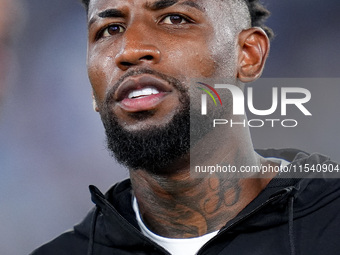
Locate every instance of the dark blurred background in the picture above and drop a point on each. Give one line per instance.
(52, 143)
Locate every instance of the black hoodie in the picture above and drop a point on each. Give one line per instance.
(290, 216)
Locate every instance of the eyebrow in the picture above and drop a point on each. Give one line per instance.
(163, 4)
(109, 13)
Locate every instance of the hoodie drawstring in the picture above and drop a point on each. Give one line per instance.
(291, 224)
(92, 231)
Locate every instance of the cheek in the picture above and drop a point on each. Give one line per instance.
(213, 55)
(192, 60)
(223, 42)
(101, 72)
(225, 56)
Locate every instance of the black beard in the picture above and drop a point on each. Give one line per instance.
(154, 148)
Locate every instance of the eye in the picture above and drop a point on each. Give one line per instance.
(111, 30)
(174, 20)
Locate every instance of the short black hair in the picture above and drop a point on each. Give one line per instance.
(258, 13)
(86, 4)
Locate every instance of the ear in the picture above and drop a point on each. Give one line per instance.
(253, 52)
(94, 103)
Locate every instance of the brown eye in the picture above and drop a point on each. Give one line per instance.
(174, 20)
(112, 30)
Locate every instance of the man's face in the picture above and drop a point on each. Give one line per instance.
(142, 55)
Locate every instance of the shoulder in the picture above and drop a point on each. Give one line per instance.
(76, 241)
(69, 243)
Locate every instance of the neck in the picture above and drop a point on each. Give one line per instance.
(174, 204)
(180, 206)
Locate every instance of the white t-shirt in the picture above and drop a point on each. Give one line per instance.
(176, 246)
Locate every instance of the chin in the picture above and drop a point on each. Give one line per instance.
(146, 120)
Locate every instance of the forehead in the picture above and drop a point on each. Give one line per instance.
(99, 5)
(218, 10)
(222, 14)
(139, 3)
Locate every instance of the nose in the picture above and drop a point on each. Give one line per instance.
(137, 50)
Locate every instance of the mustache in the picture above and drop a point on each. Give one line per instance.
(176, 83)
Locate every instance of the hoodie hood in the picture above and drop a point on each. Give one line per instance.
(310, 191)
(112, 222)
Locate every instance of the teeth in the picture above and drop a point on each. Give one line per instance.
(143, 92)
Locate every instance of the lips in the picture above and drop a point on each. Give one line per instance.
(142, 93)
